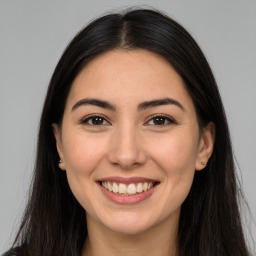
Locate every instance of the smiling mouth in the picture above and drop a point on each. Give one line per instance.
(128, 189)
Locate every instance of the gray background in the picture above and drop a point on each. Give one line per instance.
(33, 35)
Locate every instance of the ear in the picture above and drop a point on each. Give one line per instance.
(205, 147)
(57, 134)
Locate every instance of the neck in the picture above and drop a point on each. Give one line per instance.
(158, 241)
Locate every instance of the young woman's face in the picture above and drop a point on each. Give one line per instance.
(130, 141)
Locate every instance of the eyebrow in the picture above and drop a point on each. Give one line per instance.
(94, 102)
(141, 106)
(160, 102)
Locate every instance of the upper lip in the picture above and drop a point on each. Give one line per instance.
(130, 180)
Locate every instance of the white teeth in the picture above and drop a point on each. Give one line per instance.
(139, 188)
(150, 185)
(110, 188)
(115, 187)
(130, 189)
(122, 189)
(104, 184)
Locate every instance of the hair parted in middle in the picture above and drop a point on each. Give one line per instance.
(54, 222)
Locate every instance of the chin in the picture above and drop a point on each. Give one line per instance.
(129, 224)
(128, 229)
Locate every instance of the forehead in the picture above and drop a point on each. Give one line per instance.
(128, 76)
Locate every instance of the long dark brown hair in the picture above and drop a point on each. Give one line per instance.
(54, 222)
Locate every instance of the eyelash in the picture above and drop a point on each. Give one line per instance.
(164, 117)
(89, 120)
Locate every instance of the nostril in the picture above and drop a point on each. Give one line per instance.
(127, 158)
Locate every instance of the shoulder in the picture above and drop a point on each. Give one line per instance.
(12, 252)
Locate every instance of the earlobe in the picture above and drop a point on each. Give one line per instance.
(57, 135)
(206, 145)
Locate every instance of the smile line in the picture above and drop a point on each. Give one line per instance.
(128, 189)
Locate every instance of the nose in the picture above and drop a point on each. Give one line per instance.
(126, 148)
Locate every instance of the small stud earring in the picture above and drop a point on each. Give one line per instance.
(60, 161)
(203, 163)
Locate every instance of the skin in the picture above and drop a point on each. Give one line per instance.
(130, 142)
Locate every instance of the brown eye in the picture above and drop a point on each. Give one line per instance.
(160, 121)
(95, 120)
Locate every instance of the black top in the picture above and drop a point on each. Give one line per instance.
(12, 252)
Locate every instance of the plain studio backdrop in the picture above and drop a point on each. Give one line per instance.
(33, 35)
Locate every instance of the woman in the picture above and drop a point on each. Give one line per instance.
(134, 154)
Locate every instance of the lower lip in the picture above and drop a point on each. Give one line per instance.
(127, 199)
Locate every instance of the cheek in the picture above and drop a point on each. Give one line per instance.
(176, 154)
(82, 153)
(177, 158)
